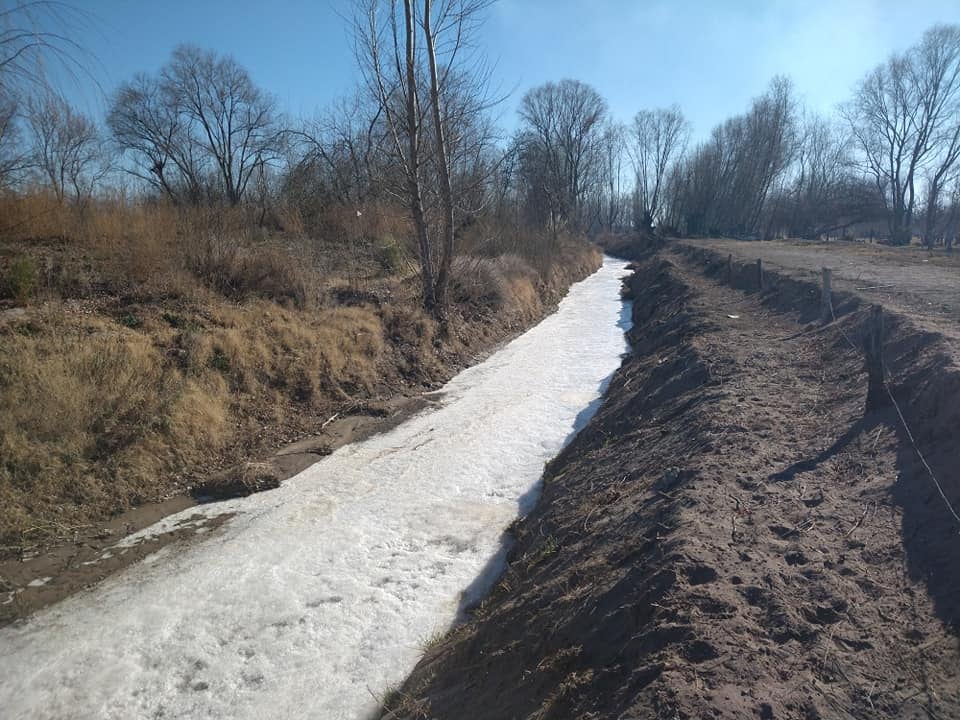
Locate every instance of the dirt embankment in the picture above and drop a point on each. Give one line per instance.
(118, 411)
(732, 536)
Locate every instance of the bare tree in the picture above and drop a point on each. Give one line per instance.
(389, 63)
(201, 119)
(659, 137)
(610, 198)
(67, 150)
(12, 157)
(562, 137)
(338, 151)
(937, 72)
(418, 65)
(35, 37)
(234, 120)
(147, 122)
(34, 40)
(898, 118)
(951, 220)
(817, 198)
(725, 186)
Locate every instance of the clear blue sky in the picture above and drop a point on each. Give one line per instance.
(711, 57)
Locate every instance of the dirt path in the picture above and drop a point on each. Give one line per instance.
(910, 279)
(731, 537)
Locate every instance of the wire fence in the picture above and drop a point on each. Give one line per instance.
(903, 421)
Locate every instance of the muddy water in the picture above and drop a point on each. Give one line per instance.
(314, 599)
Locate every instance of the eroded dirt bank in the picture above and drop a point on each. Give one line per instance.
(732, 536)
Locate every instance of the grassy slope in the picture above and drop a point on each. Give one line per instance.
(157, 348)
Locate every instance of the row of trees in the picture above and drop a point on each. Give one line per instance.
(200, 130)
(890, 156)
(418, 135)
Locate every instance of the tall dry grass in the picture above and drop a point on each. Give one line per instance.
(159, 343)
(93, 414)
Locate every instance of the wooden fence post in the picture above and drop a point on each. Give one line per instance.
(826, 301)
(760, 273)
(730, 269)
(873, 349)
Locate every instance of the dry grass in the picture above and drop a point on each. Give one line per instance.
(93, 413)
(160, 345)
(486, 285)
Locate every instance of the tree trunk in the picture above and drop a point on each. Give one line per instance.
(446, 189)
(930, 221)
(413, 169)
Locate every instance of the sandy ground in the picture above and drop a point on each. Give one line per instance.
(734, 535)
(909, 279)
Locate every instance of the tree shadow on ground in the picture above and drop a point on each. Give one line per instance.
(863, 425)
(930, 534)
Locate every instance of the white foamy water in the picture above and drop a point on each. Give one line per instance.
(319, 596)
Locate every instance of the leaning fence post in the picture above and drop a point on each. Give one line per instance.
(873, 349)
(826, 301)
(760, 273)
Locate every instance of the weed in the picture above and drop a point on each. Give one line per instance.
(129, 320)
(548, 547)
(22, 280)
(389, 254)
(28, 329)
(219, 361)
(174, 320)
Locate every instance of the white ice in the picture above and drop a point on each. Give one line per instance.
(317, 597)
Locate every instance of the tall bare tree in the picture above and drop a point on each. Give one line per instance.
(67, 149)
(611, 206)
(725, 185)
(937, 73)
(12, 156)
(898, 117)
(234, 119)
(336, 152)
(389, 63)
(820, 179)
(562, 137)
(148, 123)
(659, 137)
(35, 42)
(35, 37)
(417, 63)
(201, 118)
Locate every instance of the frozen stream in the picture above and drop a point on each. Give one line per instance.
(319, 596)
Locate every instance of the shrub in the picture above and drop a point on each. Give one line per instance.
(269, 272)
(130, 320)
(211, 239)
(389, 254)
(475, 282)
(219, 360)
(22, 280)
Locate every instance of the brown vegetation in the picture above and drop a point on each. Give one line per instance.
(144, 346)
